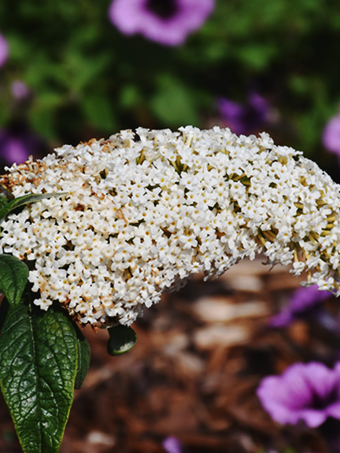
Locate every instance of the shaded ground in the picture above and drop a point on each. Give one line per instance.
(193, 374)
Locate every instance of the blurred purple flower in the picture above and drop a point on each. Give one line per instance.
(308, 392)
(172, 445)
(20, 90)
(331, 135)
(4, 50)
(17, 143)
(247, 118)
(302, 300)
(167, 22)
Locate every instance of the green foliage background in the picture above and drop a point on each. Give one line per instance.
(89, 80)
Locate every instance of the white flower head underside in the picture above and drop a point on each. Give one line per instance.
(146, 210)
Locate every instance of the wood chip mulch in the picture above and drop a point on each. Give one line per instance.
(193, 373)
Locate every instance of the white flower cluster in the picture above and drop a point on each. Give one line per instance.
(146, 210)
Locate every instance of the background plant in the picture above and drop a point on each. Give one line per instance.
(88, 79)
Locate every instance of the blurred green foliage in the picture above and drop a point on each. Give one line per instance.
(89, 80)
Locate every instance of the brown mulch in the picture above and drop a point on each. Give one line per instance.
(200, 356)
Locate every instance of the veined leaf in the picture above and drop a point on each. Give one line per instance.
(13, 278)
(38, 363)
(84, 356)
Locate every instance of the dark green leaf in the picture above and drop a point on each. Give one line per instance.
(98, 111)
(38, 362)
(3, 202)
(13, 278)
(4, 307)
(122, 339)
(84, 356)
(30, 198)
(174, 103)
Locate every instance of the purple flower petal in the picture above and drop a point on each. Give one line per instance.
(232, 113)
(334, 410)
(308, 392)
(19, 89)
(321, 379)
(17, 144)
(331, 135)
(312, 418)
(244, 119)
(282, 319)
(181, 17)
(15, 150)
(172, 445)
(302, 300)
(4, 50)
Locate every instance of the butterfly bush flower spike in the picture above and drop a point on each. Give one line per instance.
(146, 210)
(308, 392)
(168, 22)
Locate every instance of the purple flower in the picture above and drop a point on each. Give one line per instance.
(17, 143)
(3, 50)
(172, 445)
(167, 22)
(308, 392)
(302, 300)
(331, 135)
(247, 118)
(19, 90)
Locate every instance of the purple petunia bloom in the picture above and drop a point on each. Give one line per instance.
(302, 300)
(4, 50)
(331, 135)
(247, 118)
(167, 22)
(19, 90)
(12, 148)
(172, 445)
(17, 143)
(308, 392)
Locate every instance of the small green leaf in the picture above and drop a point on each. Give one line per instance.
(38, 362)
(122, 339)
(84, 356)
(3, 202)
(20, 201)
(13, 278)
(5, 195)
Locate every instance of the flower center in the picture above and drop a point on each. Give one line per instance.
(164, 8)
(320, 403)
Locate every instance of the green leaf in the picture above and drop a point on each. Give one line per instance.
(3, 201)
(30, 198)
(122, 339)
(174, 103)
(84, 356)
(98, 111)
(13, 278)
(4, 307)
(38, 362)
(43, 121)
(5, 197)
